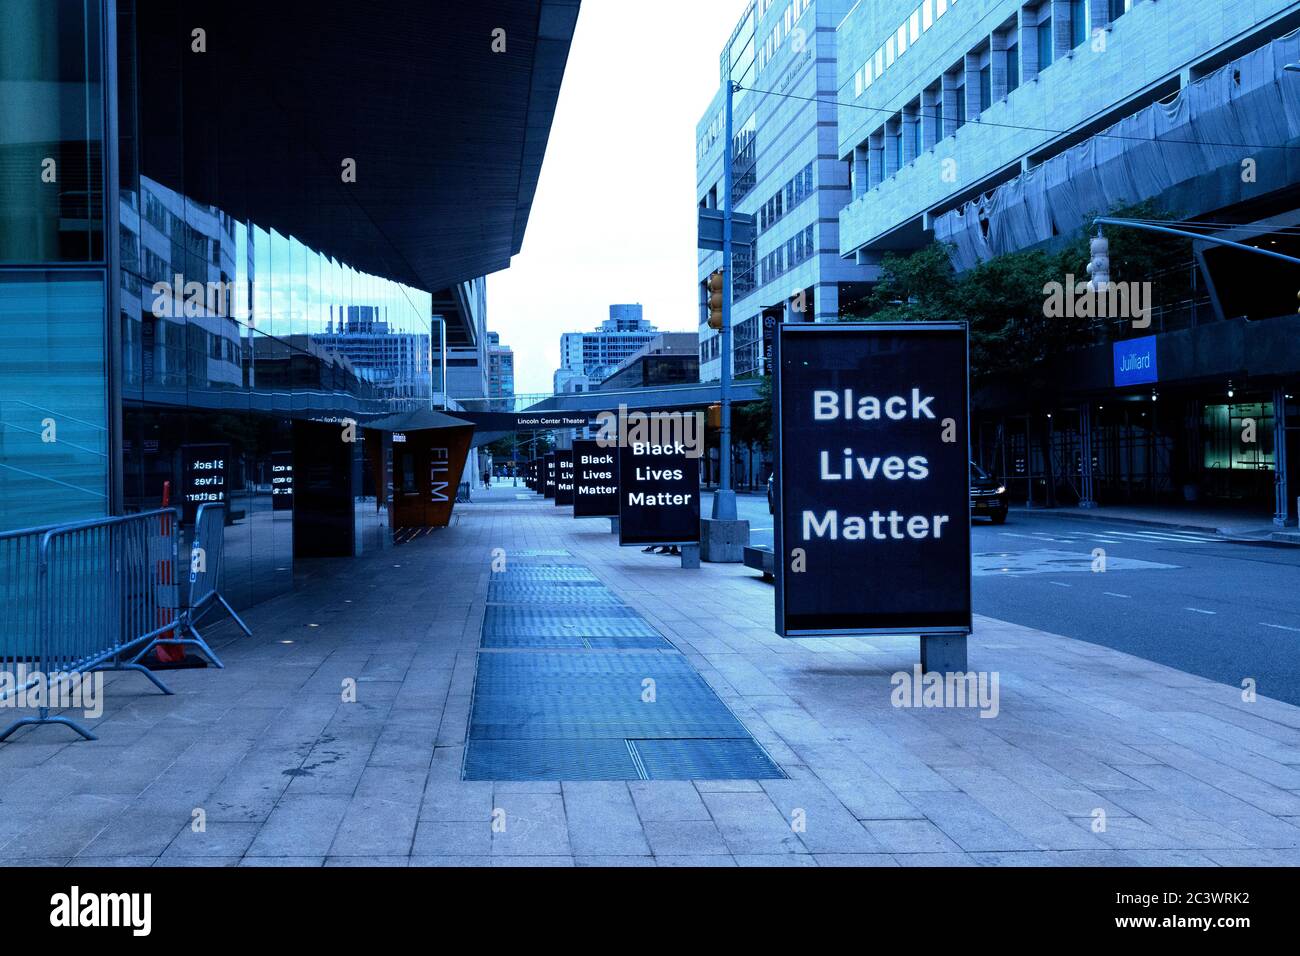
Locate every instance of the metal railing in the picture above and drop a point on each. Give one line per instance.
(207, 560)
(99, 595)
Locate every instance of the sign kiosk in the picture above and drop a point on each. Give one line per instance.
(564, 476)
(595, 480)
(549, 472)
(659, 495)
(873, 484)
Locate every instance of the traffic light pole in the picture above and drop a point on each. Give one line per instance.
(1188, 234)
(724, 499)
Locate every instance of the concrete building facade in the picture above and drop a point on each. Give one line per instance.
(587, 357)
(1007, 126)
(786, 174)
(501, 369)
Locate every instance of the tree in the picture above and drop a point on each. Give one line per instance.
(1003, 299)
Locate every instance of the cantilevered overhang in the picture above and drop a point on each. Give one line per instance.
(447, 135)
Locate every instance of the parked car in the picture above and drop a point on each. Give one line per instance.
(988, 496)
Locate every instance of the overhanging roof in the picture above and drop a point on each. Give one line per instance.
(447, 135)
(415, 421)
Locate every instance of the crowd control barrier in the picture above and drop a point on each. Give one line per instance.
(203, 592)
(99, 595)
(80, 598)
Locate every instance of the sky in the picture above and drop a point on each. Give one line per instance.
(614, 216)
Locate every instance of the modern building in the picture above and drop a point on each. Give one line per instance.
(463, 311)
(501, 370)
(396, 363)
(587, 357)
(1004, 126)
(203, 252)
(787, 175)
(670, 358)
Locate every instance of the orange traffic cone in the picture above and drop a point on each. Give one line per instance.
(167, 653)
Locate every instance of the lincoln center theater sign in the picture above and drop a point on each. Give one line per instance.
(873, 480)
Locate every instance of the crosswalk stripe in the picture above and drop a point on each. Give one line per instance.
(1164, 536)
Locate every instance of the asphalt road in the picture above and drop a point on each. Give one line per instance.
(1186, 599)
(1224, 611)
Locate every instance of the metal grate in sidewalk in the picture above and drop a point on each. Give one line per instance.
(574, 685)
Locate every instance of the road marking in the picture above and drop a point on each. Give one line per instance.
(1060, 584)
(1199, 610)
(1280, 627)
(1116, 594)
(1164, 536)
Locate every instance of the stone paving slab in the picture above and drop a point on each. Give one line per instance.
(1095, 758)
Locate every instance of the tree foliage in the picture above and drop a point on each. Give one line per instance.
(1002, 299)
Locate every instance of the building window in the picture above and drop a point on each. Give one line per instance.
(1013, 67)
(961, 105)
(916, 136)
(1044, 44)
(986, 88)
(938, 118)
(898, 148)
(1078, 23)
(1118, 8)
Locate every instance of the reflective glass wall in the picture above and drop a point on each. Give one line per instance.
(235, 334)
(54, 420)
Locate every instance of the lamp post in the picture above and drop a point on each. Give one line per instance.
(724, 499)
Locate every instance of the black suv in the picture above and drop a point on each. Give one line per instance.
(988, 496)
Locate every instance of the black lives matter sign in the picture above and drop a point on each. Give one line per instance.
(659, 494)
(564, 477)
(595, 480)
(873, 479)
(204, 469)
(549, 472)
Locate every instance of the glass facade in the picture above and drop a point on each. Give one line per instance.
(232, 332)
(51, 132)
(53, 418)
(214, 337)
(54, 450)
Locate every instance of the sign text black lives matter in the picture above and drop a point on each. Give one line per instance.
(873, 477)
(549, 472)
(595, 480)
(659, 494)
(564, 477)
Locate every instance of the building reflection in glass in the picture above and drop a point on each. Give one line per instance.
(231, 332)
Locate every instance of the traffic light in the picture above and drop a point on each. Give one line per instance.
(714, 416)
(1099, 264)
(714, 286)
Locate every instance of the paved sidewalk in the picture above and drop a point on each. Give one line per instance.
(1179, 769)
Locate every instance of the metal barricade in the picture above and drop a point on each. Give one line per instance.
(84, 597)
(203, 591)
